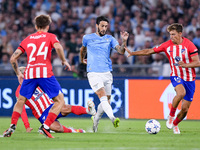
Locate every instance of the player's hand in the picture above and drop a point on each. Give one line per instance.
(20, 78)
(129, 52)
(84, 61)
(182, 64)
(67, 65)
(124, 35)
(29, 129)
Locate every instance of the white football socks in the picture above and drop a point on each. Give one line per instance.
(99, 112)
(106, 107)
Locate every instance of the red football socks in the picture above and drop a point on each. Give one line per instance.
(50, 119)
(15, 117)
(66, 130)
(176, 121)
(78, 110)
(25, 118)
(172, 111)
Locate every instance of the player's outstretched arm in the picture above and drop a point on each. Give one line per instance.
(60, 52)
(141, 52)
(195, 63)
(83, 52)
(13, 60)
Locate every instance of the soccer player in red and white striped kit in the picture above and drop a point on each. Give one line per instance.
(38, 47)
(183, 58)
(40, 104)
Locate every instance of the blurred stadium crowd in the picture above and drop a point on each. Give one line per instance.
(145, 20)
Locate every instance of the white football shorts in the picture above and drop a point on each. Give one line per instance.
(98, 80)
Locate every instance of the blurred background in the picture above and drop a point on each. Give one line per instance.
(141, 87)
(145, 20)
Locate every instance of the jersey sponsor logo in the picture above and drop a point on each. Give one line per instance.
(38, 36)
(177, 58)
(176, 64)
(38, 94)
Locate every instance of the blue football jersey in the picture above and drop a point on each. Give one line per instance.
(98, 52)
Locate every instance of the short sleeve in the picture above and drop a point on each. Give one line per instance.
(114, 42)
(193, 50)
(21, 46)
(84, 41)
(54, 39)
(159, 48)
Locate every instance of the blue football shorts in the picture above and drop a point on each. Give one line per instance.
(44, 115)
(50, 86)
(188, 85)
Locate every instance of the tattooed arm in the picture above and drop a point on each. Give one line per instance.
(121, 49)
(83, 52)
(14, 63)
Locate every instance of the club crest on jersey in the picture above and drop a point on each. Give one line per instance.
(183, 51)
(107, 40)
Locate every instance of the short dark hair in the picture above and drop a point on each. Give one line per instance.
(42, 21)
(101, 18)
(175, 26)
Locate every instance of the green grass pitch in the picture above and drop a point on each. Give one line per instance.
(130, 135)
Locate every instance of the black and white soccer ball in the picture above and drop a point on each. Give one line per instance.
(152, 126)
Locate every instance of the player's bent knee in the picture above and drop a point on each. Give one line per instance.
(181, 95)
(59, 99)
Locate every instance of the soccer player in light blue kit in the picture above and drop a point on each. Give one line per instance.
(99, 66)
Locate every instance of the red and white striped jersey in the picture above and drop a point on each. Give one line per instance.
(38, 47)
(38, 102)
(182, 52)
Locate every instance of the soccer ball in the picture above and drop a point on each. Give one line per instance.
(152, 126)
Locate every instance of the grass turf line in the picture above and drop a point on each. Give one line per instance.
(129, 135)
